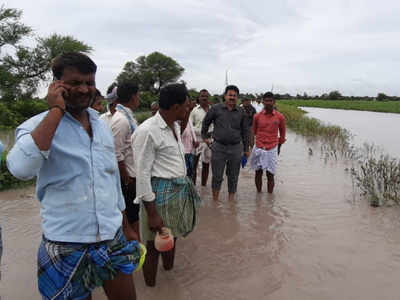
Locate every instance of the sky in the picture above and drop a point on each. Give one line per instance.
(292, 46)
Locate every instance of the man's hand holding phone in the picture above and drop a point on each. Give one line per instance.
(43, 134)
(57, 93)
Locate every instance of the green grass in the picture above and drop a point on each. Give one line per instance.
(377, 106)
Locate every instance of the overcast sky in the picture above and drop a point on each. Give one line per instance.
(297, 46)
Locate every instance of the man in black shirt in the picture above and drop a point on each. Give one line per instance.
(230, 140)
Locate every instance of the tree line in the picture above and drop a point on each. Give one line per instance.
(23, 69)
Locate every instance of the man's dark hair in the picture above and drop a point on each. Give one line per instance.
(171, 94)
(204, 90)
(268, 95)
(126, 90)
(76, 60)
(231, 88)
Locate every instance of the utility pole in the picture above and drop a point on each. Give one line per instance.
(226, 78)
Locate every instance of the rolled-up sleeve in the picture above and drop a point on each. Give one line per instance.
(143, 147)
(25, 159)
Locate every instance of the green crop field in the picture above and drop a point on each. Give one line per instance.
(378, 106)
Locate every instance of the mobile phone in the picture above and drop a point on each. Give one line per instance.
(64, 94)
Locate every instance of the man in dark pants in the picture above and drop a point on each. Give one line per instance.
(123, 124)
(231, 140)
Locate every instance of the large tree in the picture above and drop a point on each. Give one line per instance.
(22, 68)
(382, 97)
(335, 95)
(151, 72)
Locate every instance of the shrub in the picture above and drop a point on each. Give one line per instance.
(146, 98)
(142, 116)
(8, 118)
(7, 180)
(28, 108)
(14, 113)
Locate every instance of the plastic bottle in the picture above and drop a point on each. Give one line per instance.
(164, 241)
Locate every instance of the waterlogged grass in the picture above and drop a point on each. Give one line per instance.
(303, 125)
(377, 106)
(377, 175)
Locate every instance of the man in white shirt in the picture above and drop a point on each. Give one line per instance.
(167, 196)
(196, 118)
(111, 98)
(123, 124)
(257, 105)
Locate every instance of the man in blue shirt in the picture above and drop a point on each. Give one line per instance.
(72, 154)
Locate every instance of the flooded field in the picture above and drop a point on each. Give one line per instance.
(380, 129)
(314, 238)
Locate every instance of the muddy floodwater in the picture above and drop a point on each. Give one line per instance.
(314, 238)
(380, 129)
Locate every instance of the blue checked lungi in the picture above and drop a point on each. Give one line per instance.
(73, 270)
(177, 202)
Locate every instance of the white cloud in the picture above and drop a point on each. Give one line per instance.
(299, 46)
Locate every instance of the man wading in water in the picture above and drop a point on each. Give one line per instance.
(196, 118)
(231, 140)
(72, 154)
(166, 195)
(266, 125)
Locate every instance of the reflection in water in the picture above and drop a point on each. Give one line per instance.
(375, 128)
(311, 239)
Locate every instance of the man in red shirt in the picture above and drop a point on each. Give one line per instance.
(266, 125)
